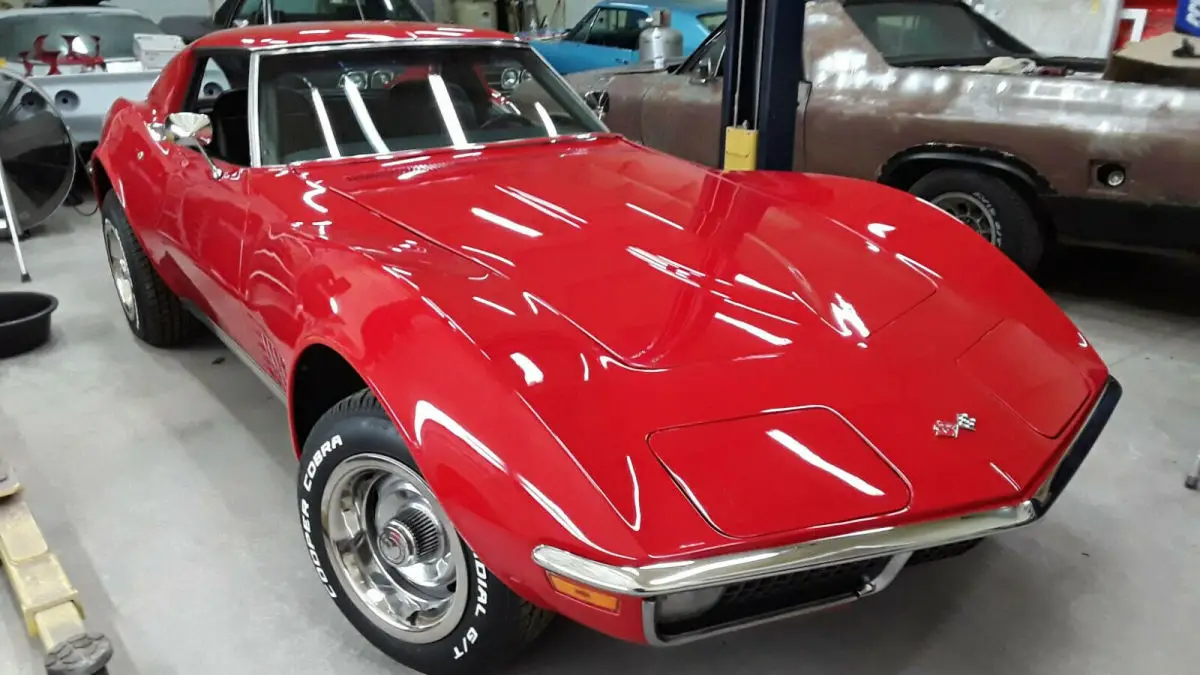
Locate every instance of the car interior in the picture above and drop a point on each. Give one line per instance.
(220, 91)
(302, 113)
(611, 27)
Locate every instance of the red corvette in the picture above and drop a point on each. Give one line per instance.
(535, 369)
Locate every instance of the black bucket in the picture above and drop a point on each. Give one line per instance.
(24, 321)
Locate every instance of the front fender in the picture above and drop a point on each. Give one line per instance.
(927, 239)
(502, 476)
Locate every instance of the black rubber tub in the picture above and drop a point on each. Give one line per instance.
(24, 321)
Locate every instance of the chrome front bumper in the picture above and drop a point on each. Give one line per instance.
(892, 547)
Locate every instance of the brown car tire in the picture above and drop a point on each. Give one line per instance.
(993, 205)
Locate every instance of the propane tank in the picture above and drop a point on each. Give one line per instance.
(659, 41)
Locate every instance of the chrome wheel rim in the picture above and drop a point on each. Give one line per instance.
(971, 211)
(393, 548)
(118, 266)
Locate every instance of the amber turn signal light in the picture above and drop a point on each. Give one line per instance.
(588, 596)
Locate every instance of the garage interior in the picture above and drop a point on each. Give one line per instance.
(164, 481)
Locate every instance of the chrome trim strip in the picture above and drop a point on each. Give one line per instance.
(240, 353)
(252, 112)
(386, 42)
(1109, 396)
(686, 575)
(870, 587)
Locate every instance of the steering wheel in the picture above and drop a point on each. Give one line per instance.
(508, 119)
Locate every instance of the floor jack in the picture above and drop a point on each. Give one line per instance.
(49, 603)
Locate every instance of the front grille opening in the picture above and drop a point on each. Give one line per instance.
(761, 598)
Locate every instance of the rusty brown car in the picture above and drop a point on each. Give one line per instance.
(931, 97)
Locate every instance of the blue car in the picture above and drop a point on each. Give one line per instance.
(608, 34)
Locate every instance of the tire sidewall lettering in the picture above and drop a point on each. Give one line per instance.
(479, 605)
(987, 204)
(465, 644)
(307, 512)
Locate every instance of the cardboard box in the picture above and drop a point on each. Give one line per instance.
(155, 50)
(1153, 61)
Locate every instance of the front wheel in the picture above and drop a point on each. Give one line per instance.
(390, 557)
(153, 311)
(991, 207)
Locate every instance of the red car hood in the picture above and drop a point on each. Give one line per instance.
(756, 370)
(622, 242)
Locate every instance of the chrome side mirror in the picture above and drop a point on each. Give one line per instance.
(192, 130)
(703, 74)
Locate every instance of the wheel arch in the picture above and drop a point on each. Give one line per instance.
(98, 175)
(449, 440)
(905, 168)
(321, 376)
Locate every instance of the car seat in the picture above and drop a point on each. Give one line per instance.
(230, 127)
(412, 111)
(297, 129)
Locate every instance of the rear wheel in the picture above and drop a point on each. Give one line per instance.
(390, 557)
(991, 207)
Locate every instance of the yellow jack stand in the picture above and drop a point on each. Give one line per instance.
(49, 603)
(741, 149)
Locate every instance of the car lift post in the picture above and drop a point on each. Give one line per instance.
(764, 66)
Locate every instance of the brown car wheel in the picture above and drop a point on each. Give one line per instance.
(991, 207)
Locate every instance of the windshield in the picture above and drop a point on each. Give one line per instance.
(114, 30)
(933, 32)
(341, 103)
(712, 21)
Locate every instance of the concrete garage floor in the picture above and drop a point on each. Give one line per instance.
(164, 481)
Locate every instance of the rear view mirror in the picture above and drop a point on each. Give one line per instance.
(192, 130)
(703, 74)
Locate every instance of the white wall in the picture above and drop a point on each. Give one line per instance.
(1057, 27)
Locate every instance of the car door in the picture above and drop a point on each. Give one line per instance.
(601, 39)
(682, 115)
(205, 210)
(613, 37)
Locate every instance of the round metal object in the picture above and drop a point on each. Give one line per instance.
(36, 149)
(394, 549)
(118, 266)
(510, 78)
(971, 211)
(24, 321)
(1115, 178)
